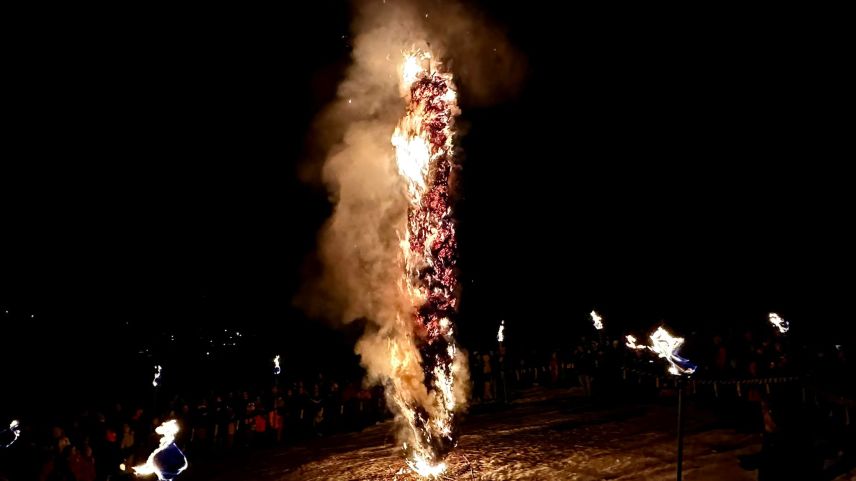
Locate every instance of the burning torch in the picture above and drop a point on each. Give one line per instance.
(500, 338)
(780, 324)
(276, 371)
(596, 319)
(167, 461)
(10, 435)
(155, 384)
(666, 347)
(156, 380)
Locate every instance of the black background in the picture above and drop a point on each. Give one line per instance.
(686, 166)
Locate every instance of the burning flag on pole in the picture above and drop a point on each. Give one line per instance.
(781, 324)
(597, 320)
(500, 335)
(167, 461)
(666, 347)
(10, 435)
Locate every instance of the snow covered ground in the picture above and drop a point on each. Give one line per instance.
(551, 435)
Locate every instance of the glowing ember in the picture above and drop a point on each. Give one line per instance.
(780, 323)
(423, 152)
(276, 369)
(157, 376)
(597, 320)
(14, 430)
(500, 335)
(666, 346)
(167, 461)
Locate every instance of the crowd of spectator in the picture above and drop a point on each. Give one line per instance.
(97, 445)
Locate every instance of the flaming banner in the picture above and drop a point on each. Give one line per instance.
(423, 153)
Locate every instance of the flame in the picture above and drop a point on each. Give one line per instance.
(15, 429)
(157, 375)
(631, 342)
(666, 347)
(423, 154)
(500, 335)
(596, 319)
(426, 469)
(780, 323)
(276, 369)
(412, 66)
(167, 430)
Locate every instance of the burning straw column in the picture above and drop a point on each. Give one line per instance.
(666, 347)
(423, 151)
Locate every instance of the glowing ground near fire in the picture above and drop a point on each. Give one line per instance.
(552, 435)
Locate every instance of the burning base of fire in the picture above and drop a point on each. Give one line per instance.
(590, 446)
(553, 438)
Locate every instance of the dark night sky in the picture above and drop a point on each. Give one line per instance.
(684, 166)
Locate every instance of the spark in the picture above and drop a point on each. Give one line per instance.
(500, 335)
(276, 369)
